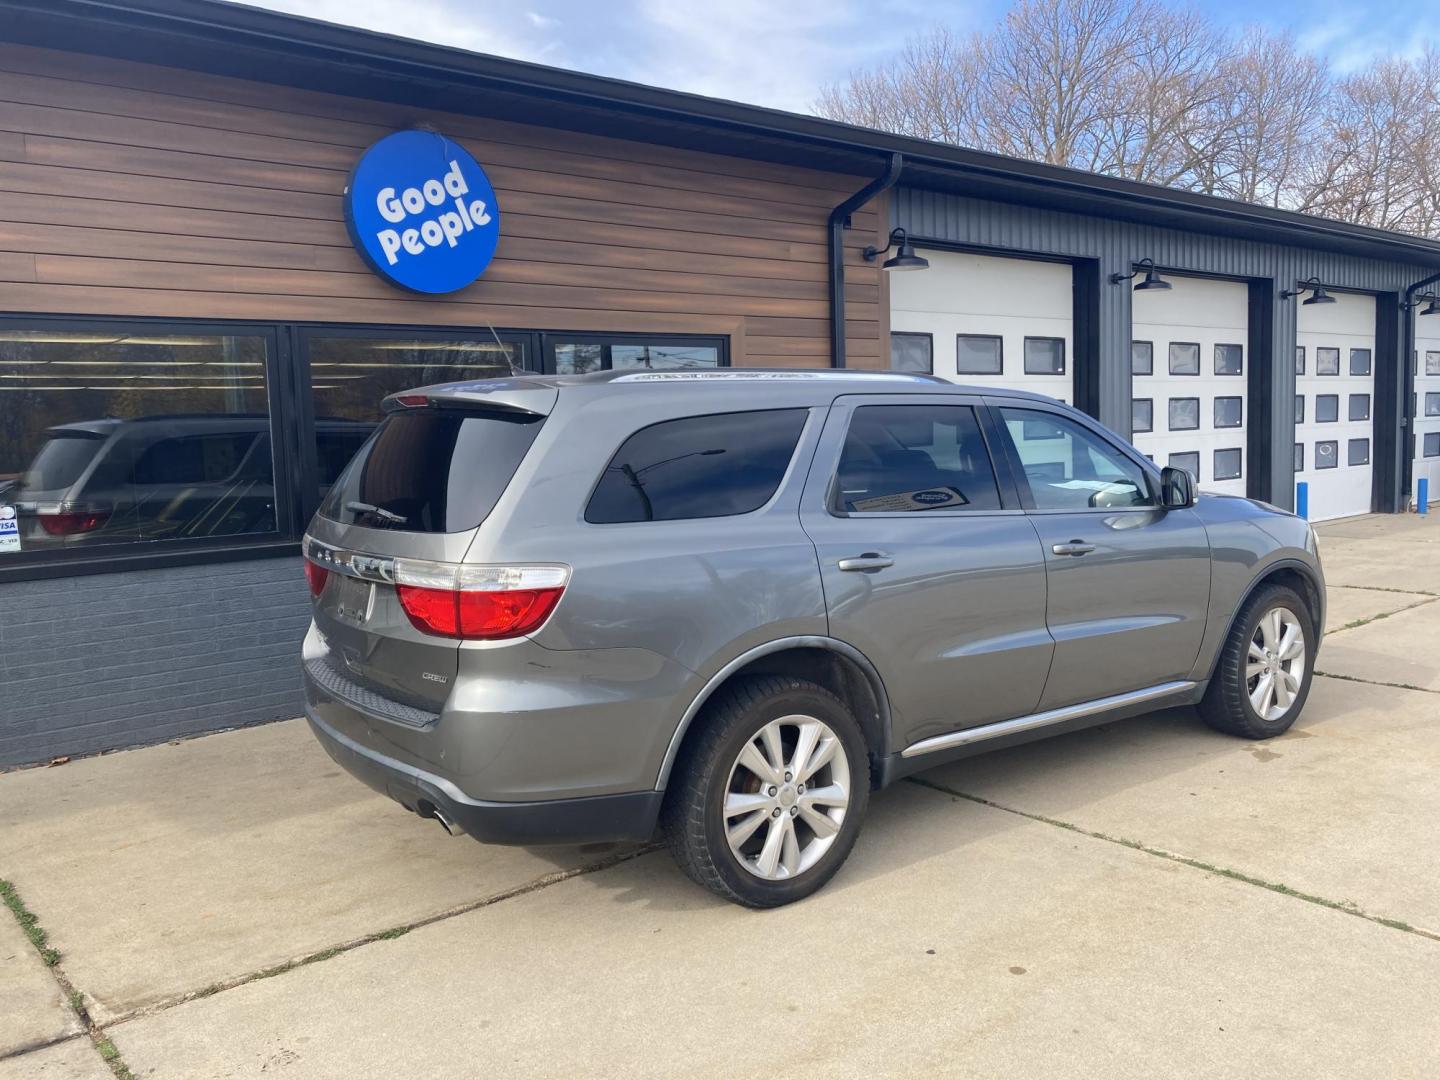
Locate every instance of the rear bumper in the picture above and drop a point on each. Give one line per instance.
(630, 816)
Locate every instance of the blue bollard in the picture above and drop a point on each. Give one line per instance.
(1424, 493)
(1302, 499)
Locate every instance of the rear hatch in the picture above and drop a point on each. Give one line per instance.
(389, 538)
(50, 509)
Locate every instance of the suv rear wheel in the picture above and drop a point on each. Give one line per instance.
(766, 802)
(1263, 676)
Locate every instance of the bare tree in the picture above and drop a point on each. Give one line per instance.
(1138, 89)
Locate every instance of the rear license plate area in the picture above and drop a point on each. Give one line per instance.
(354, 600)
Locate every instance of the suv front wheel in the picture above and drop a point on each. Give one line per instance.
(1263, 675)
(767, 799)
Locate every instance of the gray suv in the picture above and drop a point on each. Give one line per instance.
(731, 604)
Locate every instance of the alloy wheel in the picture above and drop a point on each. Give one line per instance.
(786, 797)
(1275, 664)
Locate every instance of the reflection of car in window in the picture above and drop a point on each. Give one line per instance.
(158, 478)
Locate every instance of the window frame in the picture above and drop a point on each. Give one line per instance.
(1016, 469)
(1426, 442)
(1145, 430)
(292, 428)
(999, 340)
(1299, 359)
(1334, 419)
(1369, 362)
(1350, 445)
(1350, 400)
(1169, 415)
(1239, 399)
(929, 348)
(1326, 442)
(1327, 349)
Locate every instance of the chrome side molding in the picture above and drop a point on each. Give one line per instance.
(1043, 719)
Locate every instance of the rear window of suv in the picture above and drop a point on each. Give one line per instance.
(432, 471)
(699, 467)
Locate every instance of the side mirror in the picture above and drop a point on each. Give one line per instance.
(1177, 489)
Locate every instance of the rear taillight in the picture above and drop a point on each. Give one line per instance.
(479, 603)
(70, 522)
(316, 576)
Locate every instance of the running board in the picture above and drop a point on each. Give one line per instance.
(1043, 719)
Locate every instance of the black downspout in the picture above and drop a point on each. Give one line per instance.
(1407, 411)
(840, 221)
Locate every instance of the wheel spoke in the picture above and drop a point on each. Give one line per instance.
(752, 759)
(789, 848)
(1263, 694)
(769, 857)
(1270, 629)
(1257, 652)
(819, 759)
(738, 834)
(830, 795)
(1292, 646)
(1292, 684)
(822, 824)
(1252, 670)
(740, 802)
(774, 751)
(804, 747)
(1283, 697)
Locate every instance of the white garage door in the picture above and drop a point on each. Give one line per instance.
(1188, 376)
(987, 321)
(1335, 404)
(1427, 406)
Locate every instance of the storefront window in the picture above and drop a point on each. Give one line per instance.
(573, 354)
(132, 435)
(351, 375)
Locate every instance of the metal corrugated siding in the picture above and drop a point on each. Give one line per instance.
(1015, 229)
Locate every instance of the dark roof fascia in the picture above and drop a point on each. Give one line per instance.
(255, 43)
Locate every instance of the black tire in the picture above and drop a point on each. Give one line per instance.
(1226, 706)
(693, 819)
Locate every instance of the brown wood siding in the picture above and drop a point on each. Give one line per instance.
(129, 189)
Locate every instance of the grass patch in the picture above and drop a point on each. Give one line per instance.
(111, 1056)
(1346, 906)
(29, 924)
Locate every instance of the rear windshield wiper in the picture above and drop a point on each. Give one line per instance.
(392, 518)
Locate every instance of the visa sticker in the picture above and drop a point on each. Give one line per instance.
(9, 529)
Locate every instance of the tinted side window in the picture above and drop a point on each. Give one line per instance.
(915, 457)
(698, 467)
(1069, 467)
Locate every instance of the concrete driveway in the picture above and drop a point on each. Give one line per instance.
(1145, 899)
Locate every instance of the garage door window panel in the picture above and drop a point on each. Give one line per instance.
(1299, 408)
(1327, 454)
(1184, 414)
(1299, 457)
(915, 458)
(1142, 415)
(1068, 467)
(1188, 460)
(1359, 452)
(1432, 444)
(1228, 463)
(1184, 358)
(912, 352)
(1432, 404)
(1359, 361)
(1327, 408)
(1359, 407)
(1044, 356)
(1327, 361)
(979, 354)
(1299, 359)
(1432, 363)
(1229, 412)
(1229, 360)
(1142, 358)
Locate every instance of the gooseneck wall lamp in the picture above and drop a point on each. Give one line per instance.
(1312, 285)
(904, 257)
(1151, 280)
(1430, 300)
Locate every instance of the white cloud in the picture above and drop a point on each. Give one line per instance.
(541, 22)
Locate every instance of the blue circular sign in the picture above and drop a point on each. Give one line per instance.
(422, 213)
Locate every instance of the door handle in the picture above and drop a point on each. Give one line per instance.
(1074, 547)
(871, 560)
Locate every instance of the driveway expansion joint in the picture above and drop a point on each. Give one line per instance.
(30, 924)
(1374, 682)
(1344, 906)
(543, 882)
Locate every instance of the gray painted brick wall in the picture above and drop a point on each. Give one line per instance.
(112, 660)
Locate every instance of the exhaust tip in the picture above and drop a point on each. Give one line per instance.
(430, 810)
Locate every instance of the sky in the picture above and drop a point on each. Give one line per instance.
(779, 53)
